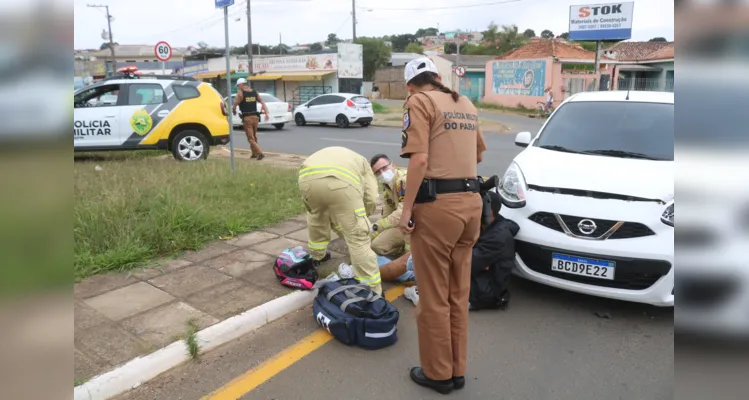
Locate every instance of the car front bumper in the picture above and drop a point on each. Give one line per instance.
(644, 271)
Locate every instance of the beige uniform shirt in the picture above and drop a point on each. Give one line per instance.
(446, 130)
(393, 202)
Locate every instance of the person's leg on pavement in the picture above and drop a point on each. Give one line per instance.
(318, 217)
(432, 241)
(253, 141)
(469, 206)
(349, 213)
(394, 269)
(389, 243)
(248, 132)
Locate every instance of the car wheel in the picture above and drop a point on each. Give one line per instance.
(365, 124)
(190, 145)
(278, 126)
(299, 120)
(342, 121)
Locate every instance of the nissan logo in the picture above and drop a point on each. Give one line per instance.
(586, 226)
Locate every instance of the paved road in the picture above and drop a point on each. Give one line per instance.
(548, 345)
(371, 140)
(516, 123)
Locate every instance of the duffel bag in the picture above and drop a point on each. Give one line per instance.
(355, 315)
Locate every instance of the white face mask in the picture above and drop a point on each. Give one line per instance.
(387, 176)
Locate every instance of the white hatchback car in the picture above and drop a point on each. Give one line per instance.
(593, 194)
(341, 109)
(280, 112)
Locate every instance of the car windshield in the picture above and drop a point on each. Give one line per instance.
(360, 100)
(269, 98)
(616, 129)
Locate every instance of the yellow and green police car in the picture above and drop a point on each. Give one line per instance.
(131, 112)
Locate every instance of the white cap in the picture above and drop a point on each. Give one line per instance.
(241, 81)
(419, 65)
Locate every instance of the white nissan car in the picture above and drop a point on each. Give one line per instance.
(342, 109)
(593, 194)
(280, 112)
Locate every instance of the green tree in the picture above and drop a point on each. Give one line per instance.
(491, 34)
(400, 42)
(427, 32)
(375, 53)
(529, 33)
(105, 45)
(414, 48)
(547, 34)
(450, 48)
(565, 36)
(498, 41)
(315, 47)
(658, 39)
(332, 39)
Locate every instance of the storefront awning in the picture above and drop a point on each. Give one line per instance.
(206, 75)
(305, 76)
(264, 77)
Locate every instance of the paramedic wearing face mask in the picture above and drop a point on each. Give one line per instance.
(387, 239)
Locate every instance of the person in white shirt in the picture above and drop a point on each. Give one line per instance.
(549, 99)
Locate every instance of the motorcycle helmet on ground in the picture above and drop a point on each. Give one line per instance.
(295, 268)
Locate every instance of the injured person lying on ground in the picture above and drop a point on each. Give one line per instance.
(491, 266)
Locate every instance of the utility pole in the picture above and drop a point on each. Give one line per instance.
(597, 64)
(249, 40)
(280, 49)
(353, 19)
(109, 27)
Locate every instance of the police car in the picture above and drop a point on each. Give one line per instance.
(134, 112)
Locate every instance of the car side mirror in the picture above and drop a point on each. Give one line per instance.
(523, 139)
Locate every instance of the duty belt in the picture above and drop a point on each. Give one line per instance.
(456, 185)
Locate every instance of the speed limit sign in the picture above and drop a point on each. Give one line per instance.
(163, 51)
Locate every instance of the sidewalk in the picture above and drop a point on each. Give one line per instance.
(120, 316)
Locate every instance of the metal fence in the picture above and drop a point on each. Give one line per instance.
(651, 84)
(576, 85)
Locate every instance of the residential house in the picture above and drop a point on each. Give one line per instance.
(519, 77)
(472, 84)
(98, 63)
(644, 65)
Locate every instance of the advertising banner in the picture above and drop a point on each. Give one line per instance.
(350, 64)
(519, 78)
(612, 21)
(318, 62)
(193, 68)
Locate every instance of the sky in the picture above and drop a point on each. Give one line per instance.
(187, 22)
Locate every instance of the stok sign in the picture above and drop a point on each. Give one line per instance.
(611, 21)
(604, 10)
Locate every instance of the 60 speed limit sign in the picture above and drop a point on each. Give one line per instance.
(163, 51)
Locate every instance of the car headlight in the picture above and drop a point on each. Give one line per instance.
(512, 188)
(668, 214)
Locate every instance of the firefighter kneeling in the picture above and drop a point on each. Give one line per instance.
(387, 239)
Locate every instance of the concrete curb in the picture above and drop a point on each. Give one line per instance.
(142, 369)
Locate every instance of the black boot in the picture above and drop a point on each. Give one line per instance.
(459, 382)
(318, 262)
(443, 387)
(260, 156)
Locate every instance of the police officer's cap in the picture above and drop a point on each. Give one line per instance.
(419, 65)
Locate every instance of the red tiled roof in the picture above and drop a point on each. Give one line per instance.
(559, 48)
(636, 51)
(665, 53)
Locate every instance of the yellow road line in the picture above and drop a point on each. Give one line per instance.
(255, 377)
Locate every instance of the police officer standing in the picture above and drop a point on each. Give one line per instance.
(387, 239)
(442, 212)
(247, 99)
(339, 192)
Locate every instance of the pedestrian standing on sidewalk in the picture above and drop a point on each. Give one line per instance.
(247, 99)
(442, 213)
